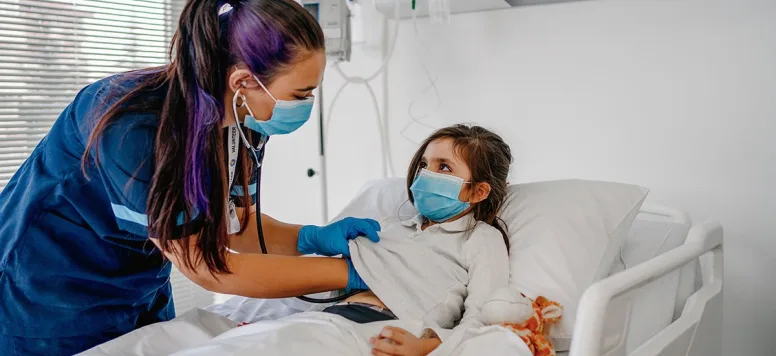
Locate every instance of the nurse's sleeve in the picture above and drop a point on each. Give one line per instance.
(126, 160)
(238, 193)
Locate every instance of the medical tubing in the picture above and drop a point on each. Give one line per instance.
(387, 158)
(387, 161)
(263, 245)
(386, 58)
(331, 109)
(385, 144)
(431, 85)
(432, 80)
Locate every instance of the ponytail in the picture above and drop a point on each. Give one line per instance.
(190, 132)
(189, 162)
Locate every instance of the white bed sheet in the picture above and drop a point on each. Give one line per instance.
(199, 332)
(188, 330)
(251, 310)
(309, 333)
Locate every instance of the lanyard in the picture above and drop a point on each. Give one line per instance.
(234, 153)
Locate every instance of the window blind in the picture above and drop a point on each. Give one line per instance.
(50, 49)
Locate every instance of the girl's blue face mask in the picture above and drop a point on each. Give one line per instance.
(287, 116)
(436, 195)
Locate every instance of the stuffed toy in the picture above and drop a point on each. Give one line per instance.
(528, 319)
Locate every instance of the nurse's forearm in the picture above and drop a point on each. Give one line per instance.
(272, 276)
(280, 238)
(262, 276)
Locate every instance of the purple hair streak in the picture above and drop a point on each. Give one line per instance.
(267, 36)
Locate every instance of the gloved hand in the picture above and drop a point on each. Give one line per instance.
(333, 239)
(354, 280)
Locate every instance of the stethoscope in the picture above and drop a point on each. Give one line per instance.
(257, 153)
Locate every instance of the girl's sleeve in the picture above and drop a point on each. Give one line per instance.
(487, 262)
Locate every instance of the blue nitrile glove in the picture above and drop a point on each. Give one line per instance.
(332, 240)
(354, 280)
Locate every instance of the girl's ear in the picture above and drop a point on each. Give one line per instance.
(480, 192)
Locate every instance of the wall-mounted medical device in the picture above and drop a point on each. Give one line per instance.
(334, 17)
(421, 7)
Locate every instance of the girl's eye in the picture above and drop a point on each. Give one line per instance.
(445, 168)
(299, 97)
(423, 165)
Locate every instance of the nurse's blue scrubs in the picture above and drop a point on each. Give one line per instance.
(76, 266)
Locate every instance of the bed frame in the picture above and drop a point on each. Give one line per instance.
(694, 323)
(697, 328)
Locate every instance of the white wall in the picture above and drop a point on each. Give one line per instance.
(678, 96)
(352, 132)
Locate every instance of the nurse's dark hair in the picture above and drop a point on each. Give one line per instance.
(266, 36)
(488, 158)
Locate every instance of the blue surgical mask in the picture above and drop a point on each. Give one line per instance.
(287, 116)
(436, 195)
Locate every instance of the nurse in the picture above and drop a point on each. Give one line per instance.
(145, 168)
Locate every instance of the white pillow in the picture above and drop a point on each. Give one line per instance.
(564, 235)
(379, 199)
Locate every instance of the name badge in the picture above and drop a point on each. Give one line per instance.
(234, 222)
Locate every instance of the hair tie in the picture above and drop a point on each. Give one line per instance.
(225, 8)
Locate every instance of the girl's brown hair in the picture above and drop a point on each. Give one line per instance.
(488, 158)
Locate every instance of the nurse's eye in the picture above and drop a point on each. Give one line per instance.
(445, 168)
(299, 97)
(423, 165)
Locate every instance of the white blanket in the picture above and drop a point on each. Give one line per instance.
(190, 329)
(199, 332)
(309, 333)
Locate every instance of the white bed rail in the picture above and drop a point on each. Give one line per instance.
(671, 214)
(698, 331)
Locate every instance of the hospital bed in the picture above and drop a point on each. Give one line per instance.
(663, 297)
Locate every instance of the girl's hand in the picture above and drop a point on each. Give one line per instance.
(399, 342)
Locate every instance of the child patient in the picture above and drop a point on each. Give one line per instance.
(447, 259)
